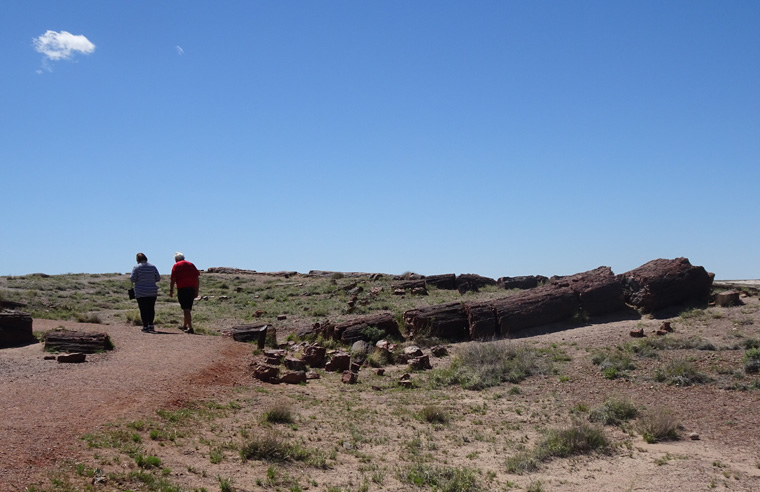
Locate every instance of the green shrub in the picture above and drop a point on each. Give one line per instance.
(279, 414)
(680, 372)
(613, 363)
(484, 365)
(752, 360)
(434, 415)
(444, 479)
(613, 411)
(659, 424)
(578, 438)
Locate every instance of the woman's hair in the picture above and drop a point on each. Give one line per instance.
(178, 256)
(141, 257)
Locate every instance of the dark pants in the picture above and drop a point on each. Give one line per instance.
(147, 307)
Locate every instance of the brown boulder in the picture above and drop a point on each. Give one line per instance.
(349, 377)
(295, 364)
(728, 298)
(266, 373)
(420, 363)
(293, 377)
(339, 362)
(314, 355)
(75, 358)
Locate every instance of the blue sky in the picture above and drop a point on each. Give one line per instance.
(501, 138)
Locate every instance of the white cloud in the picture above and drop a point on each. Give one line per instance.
(62, 45)
(180, 51)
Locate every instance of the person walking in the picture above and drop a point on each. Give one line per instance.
(185, 276)
(145, 278)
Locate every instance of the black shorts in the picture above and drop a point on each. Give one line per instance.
(185, 295)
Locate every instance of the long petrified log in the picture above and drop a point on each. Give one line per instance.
(77, 341)
(539, 306)
(446, 281)
(662, 283)
(355, 329)
(447, 321)
(599, 291)
(15, 329)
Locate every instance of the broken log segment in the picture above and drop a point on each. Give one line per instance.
(358, 328)
(16, 329)
(662, 283)
(250, 333)
(77, 341)
(446, 321)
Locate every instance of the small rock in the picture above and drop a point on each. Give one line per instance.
(49, 357)
(413, 351)
(637, 333)
(282, 317)
(420, 363)
(349, 377)
(694, 436)
(312, 375)
(295, 364)
(74, 358)
(439, 351)
(379, 372)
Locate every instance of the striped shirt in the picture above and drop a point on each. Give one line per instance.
(144, 276)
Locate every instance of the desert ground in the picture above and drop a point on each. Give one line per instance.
(177, 412)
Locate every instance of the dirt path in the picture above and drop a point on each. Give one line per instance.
(47, 406)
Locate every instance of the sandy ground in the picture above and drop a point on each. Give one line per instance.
(47, 406)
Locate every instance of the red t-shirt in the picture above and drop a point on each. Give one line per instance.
(185, 274)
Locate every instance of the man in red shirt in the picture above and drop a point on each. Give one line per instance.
(185, 275)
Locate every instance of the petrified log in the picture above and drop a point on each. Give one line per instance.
(77, 341)
(408, 284)
(314, 355)
(662, 283)
(470, 282)
(727, 298)
(599, 291)
(522, 282)
(356, 329)
(250, 333)
(481, 317)
(535, 307)
(447, 281)
(447, 321)
(15, 329)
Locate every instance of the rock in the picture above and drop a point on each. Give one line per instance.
(73, 358)
(314, 355)
(412, 351)
(663, 283)
(266, 373)
(379, 371)
(49, 357)
(534, 307)
(250, 333)
(273, 361)
(312, 375)
(16, 329)
(349, 377)
(440, 351)
(282, 317)
(340, 361)
(355, 367)
(694, 436)
(294, 377)
(420, 363)
(481, 318)
(637, 333)
(666, 327)
(360, 348)
(294, 364)
(419, 291)
(728, 298)
(446, 281)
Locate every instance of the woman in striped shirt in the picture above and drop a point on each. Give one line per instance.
(145, 277)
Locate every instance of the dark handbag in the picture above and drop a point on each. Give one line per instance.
(131, 293)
